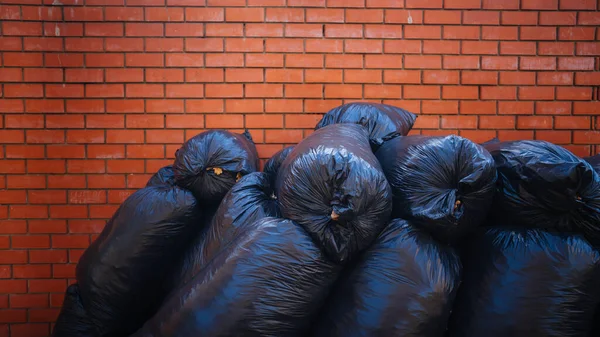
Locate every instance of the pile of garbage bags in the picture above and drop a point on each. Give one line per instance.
(358, 230)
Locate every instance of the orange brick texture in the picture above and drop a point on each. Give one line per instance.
(96, 95)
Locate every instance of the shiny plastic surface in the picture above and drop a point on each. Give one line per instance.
(542, 185)
(210, 163)
(443, 184)
(381, 120)
(333, 186)
(403, 285)
(270, 282)
(272, 165)
(164, 176)
(249, 200)
(526, 283)
(594, 161)
(73, 321)
(122, 274)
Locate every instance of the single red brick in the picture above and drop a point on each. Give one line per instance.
(573, 93)
(124, 136)
(581, 5)
(23, 90)
(404, 16)
(499, 62)
(461, 62)
(499, 33)
(539, 4)
(91, 44)
(423, 32)
(440, 47)
(460, 92)
(421, 92)
(338, 61)
(576, 33)
(351, 76)
(66, 181)
(21, 121)
(164, 44)
(124, 13)
(104, 90)
(557, 18)
(517, 48)
(479, 47)
(46, 197)
(47, 226)
(144, 29)
(342, 91)
(515, 108)
(284, 105)
(204, 14)
(144, 60)
(63, 60)
(61, 29)
(589, 18)
(423, 3)
(64, 122)
(479, 77)
(402, 76)
(43, 136)
(85, 136)
(22, 28)
(554, 78)
(553, 108)
(344, 30)
(218, 121)
(363, 46)
(477, 108)
(461, 33)
(422, 62)
(325, 15)
(124, 44)
(534, 122)
(264, 29)
(517, 77)
(164, 14)
(440, 77)
(45, 166)
(63, 271)
(442, 17)
(23, 59)
(206, 105)
(304, 90)
(499, 93)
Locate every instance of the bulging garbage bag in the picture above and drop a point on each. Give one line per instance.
(526, 283)
(122, 274)
(403, 285)
(250, 200)
(332, 185)
(271, 281)
(545, 186)
(164, 176)
(443, 184)
(594, 161)
(272, 165)
(210, 163)
(73, 321)
(381, 120)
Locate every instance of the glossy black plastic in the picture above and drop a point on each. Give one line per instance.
(164, 176)
(249, 200)
(210, 163)
(403, 285)
(542, 185)
(332, 185)
(443, 184)
(526, 283)
(272, 165)
(594, 161)
(271, 281)
(73, 321)
(381, 120)
(122, 274)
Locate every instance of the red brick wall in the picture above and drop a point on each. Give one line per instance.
(96, 96)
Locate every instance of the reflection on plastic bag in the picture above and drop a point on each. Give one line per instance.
(443, 184)
(271, 281)
(333, 186)
(526, 283)
(209, 164)
(403, 285)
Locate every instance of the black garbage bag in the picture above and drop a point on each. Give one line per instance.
(122, 274)
(272, 165)
(332, 185)
(271, 281)
(210, 163)
(443, 184)
(164, 176)
(526, 283)
(73, 321)
(381, 120)
(403, 285)
(542, 185)
(250, 200)
(594, 161)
